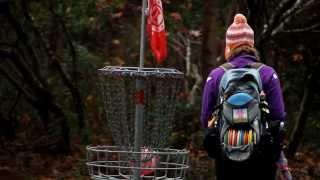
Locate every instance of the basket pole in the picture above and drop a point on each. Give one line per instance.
(139, 111)
(143, 32)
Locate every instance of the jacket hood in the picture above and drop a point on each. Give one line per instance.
(242, 60)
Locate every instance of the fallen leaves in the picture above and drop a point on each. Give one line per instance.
(43, 166)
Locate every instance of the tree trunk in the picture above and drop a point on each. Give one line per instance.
(210, 42)
(72, 85)
(303, 113)
(25, 64)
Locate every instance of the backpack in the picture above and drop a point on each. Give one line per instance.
(241, 111)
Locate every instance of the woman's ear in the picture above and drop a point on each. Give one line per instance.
(227, 52)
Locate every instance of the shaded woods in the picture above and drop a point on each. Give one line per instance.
(50, 50)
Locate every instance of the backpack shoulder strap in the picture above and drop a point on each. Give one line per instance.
(256, 65)
(227, 66)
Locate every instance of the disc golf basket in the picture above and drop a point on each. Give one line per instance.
(140, 135)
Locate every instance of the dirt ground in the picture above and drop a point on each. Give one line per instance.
(16, 164)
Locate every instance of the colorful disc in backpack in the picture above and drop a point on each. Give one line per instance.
(238, 138)
(246, 137)
(241, 137)
(229, 136)
(235, 137)
(237, 133)
(232, 137)
(250, 136)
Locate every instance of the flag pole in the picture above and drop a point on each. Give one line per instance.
(139, 95)
(143, 32)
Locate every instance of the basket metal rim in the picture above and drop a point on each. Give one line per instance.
(155, 151)
(117, 177)
(96, 164)
(141, 72)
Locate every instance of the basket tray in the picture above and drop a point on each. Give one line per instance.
(119, 162)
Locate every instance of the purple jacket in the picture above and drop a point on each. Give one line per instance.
(270, 83)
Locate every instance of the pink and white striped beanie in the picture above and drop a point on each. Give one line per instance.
(239, 33)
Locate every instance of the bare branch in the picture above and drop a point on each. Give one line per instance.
(195, 42)
(192, 70)
(197, 85)
(15, 82)
(278, 11)
(72, 85)
(297, 8)
(177, 50)
(21, 66)
(67, 34)
(286, 18)
(176, 42)
(188, 57)
(305, 6)
(283, 15)
(291, 10)
(275, 17)
(11, 111)
(183, 39)
(312, 28)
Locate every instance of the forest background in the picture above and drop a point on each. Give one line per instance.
(50, 106)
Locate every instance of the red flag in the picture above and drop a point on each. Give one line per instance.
(156, 30)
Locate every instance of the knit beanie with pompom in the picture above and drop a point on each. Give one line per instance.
(239, 33)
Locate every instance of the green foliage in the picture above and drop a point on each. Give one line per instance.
(186, 124)
(311, 135)
(79, 14)
(187, 10)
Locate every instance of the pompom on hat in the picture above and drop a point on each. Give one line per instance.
(239, 33)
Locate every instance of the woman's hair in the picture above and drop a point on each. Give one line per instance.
(243, 49)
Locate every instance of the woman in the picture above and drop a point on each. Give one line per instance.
(240, 52)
